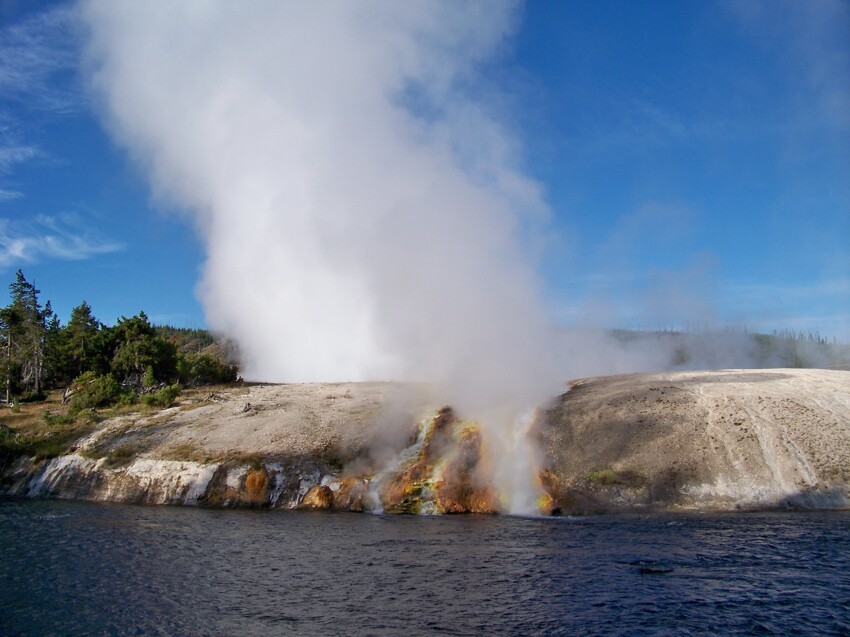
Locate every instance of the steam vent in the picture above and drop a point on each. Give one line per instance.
(680, 441)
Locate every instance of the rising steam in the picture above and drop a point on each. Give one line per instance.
(361, 207)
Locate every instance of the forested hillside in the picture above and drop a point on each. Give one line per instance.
(733, 348)
(132, 357)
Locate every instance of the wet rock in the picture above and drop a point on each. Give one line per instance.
(317, 498)
(412, 486)
(463, 488)
(350, 494)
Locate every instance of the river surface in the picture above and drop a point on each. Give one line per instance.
(70, 568)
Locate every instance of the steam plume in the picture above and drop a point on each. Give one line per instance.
(360, 208)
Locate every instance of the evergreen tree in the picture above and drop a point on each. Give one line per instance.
(139, 347)
(32, 330)
(10, 324)
(53, 352)
(82, 349)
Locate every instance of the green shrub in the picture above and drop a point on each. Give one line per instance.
(165, 397)
(203, 369)
(91, 390)
(127, 398)
(149, 380)
(623, 477)
(47, 448)
(58, 419)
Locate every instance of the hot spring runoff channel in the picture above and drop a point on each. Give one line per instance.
(76, 568)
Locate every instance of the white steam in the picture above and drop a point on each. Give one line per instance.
(360, 207)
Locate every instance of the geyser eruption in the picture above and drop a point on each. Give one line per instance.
(361, 207)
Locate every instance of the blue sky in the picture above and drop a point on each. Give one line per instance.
(695, 157)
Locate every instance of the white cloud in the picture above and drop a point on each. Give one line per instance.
(49, 237)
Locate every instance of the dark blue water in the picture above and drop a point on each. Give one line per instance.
(85, 569)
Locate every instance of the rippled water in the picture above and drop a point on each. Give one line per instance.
(75, 568)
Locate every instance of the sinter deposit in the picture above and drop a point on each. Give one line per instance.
(703, 440)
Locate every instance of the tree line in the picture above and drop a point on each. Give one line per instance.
(39, 353)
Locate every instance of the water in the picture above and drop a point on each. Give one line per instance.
(75, 568)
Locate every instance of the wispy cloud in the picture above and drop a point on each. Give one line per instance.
(12, 154)
(37, 59)
(62, 237)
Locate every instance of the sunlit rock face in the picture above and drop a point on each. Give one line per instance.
(448, 476)
(371, 447)
(257, 485)
(317, 498)
(142, 481)
(724, 439)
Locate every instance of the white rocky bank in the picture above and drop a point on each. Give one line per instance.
(684, 440)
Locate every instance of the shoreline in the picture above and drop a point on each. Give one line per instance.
(718, 441)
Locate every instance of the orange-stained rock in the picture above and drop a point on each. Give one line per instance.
(317, 498)
(404, 493)
(463, 488)
(548, 501)
(257, 485)
(349, 496)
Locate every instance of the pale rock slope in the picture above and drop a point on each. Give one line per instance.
(718, 439)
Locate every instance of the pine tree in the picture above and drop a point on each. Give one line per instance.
(10, 323)
(32, 332)
(80, 343)
(138, 347)
(54, 355)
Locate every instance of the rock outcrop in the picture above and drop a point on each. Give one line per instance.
(685, 440)
(318, 498)
(720, 440)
